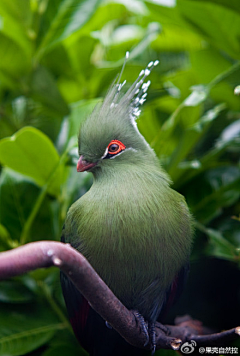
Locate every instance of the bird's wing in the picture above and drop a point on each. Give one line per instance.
(175, 290)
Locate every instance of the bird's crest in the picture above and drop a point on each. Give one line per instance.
(115, 118)
(135, 96)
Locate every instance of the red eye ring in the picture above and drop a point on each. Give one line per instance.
(115, 147)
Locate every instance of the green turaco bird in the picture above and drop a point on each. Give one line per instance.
(131, 226)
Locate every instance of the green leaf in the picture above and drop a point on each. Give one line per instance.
(230, 133)
(14, 292)
(79, 112)
(214, 63)
(71, 15)
(45, 90)
(15, 19)
(218, 25)
(198, 95)
(71, 125)
(31, 153)
(4, 234)
(219, 246)
(188, 140)
(18, 195)
(217, 188)
(25, 327)
(175, 38)
(23, 342)
(11, 64)
(233, 4)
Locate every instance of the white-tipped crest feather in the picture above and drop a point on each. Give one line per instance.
(137, 93)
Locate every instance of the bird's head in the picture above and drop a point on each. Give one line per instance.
(110, 136)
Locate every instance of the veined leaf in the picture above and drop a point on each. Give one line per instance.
(20, 343)
(26, 327)
(30, 152)
(219, 246)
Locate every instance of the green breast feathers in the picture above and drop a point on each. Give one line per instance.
(131, 226)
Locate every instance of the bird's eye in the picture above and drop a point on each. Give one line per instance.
(115, 147)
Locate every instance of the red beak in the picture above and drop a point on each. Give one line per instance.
(83, 165)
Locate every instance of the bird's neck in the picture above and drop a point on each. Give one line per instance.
(140, 170)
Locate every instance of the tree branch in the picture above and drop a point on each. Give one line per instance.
(45, 254)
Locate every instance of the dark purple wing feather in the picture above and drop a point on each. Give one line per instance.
(175, 291)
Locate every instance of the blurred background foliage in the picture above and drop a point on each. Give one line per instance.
(57, 59)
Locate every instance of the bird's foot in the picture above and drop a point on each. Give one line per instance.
(149, 330)
(152, 334)
(143, 324)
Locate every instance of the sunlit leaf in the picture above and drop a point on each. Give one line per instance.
(31, 153)
(218, 25)
(198, 95)
(71, 15)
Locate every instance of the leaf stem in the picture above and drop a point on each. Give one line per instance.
(224, 74)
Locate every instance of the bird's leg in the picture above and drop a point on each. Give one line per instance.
(149, 330)
(152, 334)
(143, 324)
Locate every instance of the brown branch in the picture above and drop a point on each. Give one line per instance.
(46, 254)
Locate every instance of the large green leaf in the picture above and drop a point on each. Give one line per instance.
(218, 25)
(31, 153)
(15, 22)
(15, 42)
(11, 64)
(214, 23)
(233, 4)
(175, 38)
(25, 328)
(70, 16)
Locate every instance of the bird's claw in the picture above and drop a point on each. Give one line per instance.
(143, 324)
(148, 330)
(152, 333)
